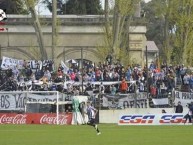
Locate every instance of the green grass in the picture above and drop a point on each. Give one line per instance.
(112, 134)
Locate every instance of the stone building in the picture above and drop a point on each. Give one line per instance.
(75, 32)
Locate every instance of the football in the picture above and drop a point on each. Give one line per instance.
(3, 15)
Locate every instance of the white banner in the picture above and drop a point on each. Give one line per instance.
(160, 101)
(11, 63)
(152, 119)
(34, 64)
(184, 97)
(65, 68)
(17, 101)
(8, 62)
(126, 100)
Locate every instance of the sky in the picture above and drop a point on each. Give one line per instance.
(42, 10)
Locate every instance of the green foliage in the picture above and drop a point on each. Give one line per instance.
(102, 52)
(30, 4)
(154, 24)
(170, 25)
(117, 33)
(93, 7)
(182, 14)
(78, 7)
(13, 6)
(126, 6)
(124, 57)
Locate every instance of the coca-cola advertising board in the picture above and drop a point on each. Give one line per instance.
(35, 118)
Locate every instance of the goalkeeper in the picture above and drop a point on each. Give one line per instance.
(91, 111)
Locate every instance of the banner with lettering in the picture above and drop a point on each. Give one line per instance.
(8, 62)
(35, 118)
(126, 100)
(17, 100)
(153, 119)
(184, 97)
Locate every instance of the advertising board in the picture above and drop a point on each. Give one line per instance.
(35, 118)
(152, 119)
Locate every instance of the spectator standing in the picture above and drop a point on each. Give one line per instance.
(15, 72)
(72, 76)
(186, 81)
(191, 82)
(28, 72)
(177, 74)
(128, 73)
(171, 82)
(98, 74)
(60, 73)
(123, 86)
(113, 90)
(152, 66)
(158, 85)
(101, 88)
(47, 74)
(115, 76)
(182, 73)
(179, 108)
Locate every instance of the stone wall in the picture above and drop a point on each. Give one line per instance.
(74, 33)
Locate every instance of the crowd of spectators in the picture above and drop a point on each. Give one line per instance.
(158, 81)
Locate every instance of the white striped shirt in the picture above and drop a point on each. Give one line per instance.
(91, 112)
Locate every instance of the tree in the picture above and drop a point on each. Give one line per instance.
(170, 25)
(182, 14)
(93, 7)
(154, 24)
(158, 15)
(31, 6)
(123, 11)
(13, 6)
(75, 7)
(86, 7)
(117, 30)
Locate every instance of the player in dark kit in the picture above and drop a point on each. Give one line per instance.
(91, 111)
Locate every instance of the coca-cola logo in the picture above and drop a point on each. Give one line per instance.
(46, 119)
(16, 119)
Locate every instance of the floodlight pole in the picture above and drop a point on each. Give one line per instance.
(82, 67)
(54, 15)
(147, 83)
(136, 92)
(57, 108)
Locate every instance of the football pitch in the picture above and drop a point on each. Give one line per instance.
(111, 134)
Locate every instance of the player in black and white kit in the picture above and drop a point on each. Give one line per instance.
(91, 111)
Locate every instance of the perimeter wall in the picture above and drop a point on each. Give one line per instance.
(112, 116)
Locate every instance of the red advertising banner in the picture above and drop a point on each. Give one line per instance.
(2, 23)
(35, 118)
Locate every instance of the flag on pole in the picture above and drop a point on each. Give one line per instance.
(65, 68)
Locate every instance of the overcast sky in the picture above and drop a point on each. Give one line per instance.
(42, 10)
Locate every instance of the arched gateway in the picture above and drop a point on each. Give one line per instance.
(74, 33)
